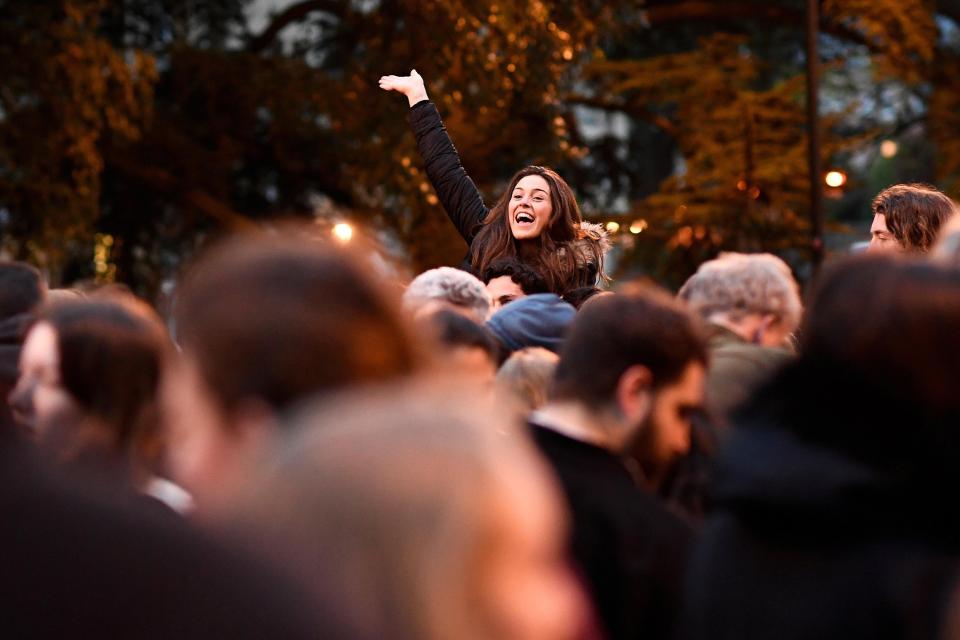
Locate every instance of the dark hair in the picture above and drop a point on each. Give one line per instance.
(280, 318)
(21, 288)
(578, 296)
(455, 330)
(112, 352)
(914, 213)
(879, 346)
(525, 276)
(495, 241)
(642, 325)
(908, 346)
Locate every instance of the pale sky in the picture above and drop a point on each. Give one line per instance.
(259, 10)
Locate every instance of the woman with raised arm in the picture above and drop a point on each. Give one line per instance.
(536, 220)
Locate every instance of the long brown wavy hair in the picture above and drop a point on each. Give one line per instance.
(495, 241)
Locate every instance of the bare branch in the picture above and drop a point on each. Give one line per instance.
(192, 197)
(633, 109)
(293, 13)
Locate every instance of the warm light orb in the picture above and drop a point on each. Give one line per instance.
(342, 232)
(613, 227)
(889, 148)
(836, 179)
(638, 227)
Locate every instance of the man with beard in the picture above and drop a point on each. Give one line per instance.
(629, 378)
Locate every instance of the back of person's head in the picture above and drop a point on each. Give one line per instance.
(526, 376)
(914, 213)
(526, 277)
(540, 320)
(22, 288)
(641, 325)
(401, 509)
(884, 331)
(579, 296)
(464, 346)
(278, 318)
(450, 288)
(454, 331)
(111, 351)
(737, 284)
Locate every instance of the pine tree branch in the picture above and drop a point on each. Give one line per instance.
(166, 183)
(293, 13)
(700, 11)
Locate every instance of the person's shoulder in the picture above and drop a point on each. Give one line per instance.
(739, 353)
(89, 548)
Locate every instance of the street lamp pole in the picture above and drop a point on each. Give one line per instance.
(813, 129)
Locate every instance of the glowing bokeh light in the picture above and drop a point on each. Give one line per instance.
(342, 232)
(836, 179)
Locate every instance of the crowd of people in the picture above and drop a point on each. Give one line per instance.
(513, 449)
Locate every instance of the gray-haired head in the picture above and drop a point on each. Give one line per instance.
(738, 284)
(446, 287)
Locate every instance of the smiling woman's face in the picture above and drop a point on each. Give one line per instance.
(530, 207)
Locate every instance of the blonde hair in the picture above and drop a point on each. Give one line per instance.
(382, 504)
(737, 284)
(526, 376)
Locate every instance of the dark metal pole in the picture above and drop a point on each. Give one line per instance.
(813, 128)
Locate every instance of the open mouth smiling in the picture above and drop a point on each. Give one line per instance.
(523, 217)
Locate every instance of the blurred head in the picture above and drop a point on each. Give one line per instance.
(90, 373)
(754, 295)
(907, 218)
(447, 288)
(887, 331)
(526, 375)
(354, 507)
(538, 208)
(22, 288)
(947, 248)
(265, 322)
(464, 348)
(878, 347)
(579, 296)
(638, 358)
(509, 279)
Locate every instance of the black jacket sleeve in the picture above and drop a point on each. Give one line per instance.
(456, 191)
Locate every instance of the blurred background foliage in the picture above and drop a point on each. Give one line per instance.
(133, 130)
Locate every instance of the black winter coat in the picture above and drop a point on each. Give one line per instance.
(465, 207)
(629, 549)
(808, 542)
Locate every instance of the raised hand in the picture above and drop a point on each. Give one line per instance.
(410, 86)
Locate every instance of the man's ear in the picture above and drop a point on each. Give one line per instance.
(634, 393)
(767, 322)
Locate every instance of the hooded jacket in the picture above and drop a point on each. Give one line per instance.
(465, 207)
(538, 320)
(811, 539)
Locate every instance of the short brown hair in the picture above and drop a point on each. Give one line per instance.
(914, 213)
(280, 318)
(113, 348)
(642, 325)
